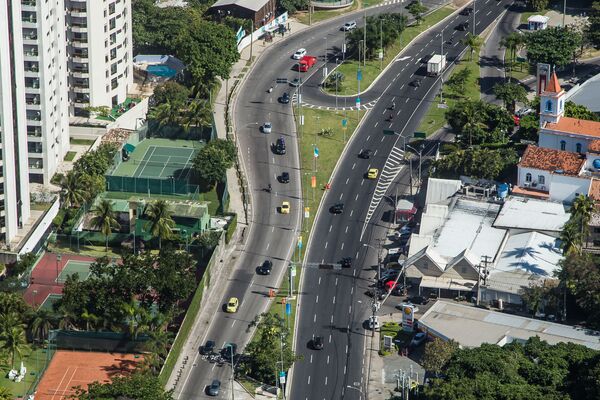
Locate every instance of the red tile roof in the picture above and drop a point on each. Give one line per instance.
(553, 86)
(594, 146)
(528, 192)
(552, 160)
(575, 126)
(594, 191)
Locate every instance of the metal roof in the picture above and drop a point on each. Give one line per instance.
(531, 214)
(471, 327)
(587, 94)
(439, 190)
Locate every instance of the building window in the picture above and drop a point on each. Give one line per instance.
(563, 145)
(549, 105)
(528, 177)
(541, 179)
(578, 147)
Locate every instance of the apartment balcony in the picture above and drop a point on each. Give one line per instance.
(36, 164)
(79, 43)
(34, 131)
(78, 12)
(28, 5)
(33, 102)
(81, 89)
(32, 83)
(29, 19)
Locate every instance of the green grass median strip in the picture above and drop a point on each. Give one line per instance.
(372, 69)
(435, 117)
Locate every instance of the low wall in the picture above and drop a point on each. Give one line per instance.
(40, 230)
(133, 118)
(270, 27)
(331, 5)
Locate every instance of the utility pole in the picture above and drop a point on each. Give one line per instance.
(381, 44)
(251, 40)
(485, 260)
(232, 373)
(365, 38)
(474, 17)
(309, 14)
(564, 12)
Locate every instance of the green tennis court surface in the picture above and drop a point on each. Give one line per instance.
(49, 301)
(165, 162)
(80, 267)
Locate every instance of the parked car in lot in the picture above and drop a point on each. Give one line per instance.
(524, 111)
(419, 300)
(265, 268)
(348, 26)
(299, 54)
(418, 339)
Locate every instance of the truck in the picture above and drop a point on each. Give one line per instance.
(306, 62)
(436, 64)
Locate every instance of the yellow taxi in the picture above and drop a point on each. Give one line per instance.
(373, 173)
(232, 305)
(285, 207)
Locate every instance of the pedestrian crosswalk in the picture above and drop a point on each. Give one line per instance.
(390, 170)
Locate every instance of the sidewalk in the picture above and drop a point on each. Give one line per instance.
(236, 200)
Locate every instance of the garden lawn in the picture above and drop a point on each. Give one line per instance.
(321, 15)
(372, 69)
(70, 155)
(34, 362)
(435, 117)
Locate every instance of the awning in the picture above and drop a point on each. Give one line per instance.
(464, 285)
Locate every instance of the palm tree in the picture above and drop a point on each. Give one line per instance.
(582, 210)
(11, 302)
(570, 238)
(160, 224)
(158, 348)
(473, 42)
(89, 318)
(164, 114)
(41, 324)
(72, 193)
(136, 318)
(105, 218)
(10, 320)
(5, 394)
(14, 342)
(198, 113)
(67, 320)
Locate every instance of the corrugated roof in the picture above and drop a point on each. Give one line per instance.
(253, 5)
(532, 214)
(439, 190)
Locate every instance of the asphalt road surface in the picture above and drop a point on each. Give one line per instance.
(333, 303)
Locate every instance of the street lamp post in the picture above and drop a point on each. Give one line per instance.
(474, 12)
(58, 260)
(336, 84)
(420, 153)
(378, 258)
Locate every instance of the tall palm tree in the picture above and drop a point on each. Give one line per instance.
(11, 302)
(105, 218)
(73, 194)
(158, 348)
(90, 319)
(198, 113)
(473, 42)
(41, 324)
(582, 210)
(160, 223)
(66, 320)
(570, 238)
(137, 318)
(164, 114)
(14, 342)
(10, 320)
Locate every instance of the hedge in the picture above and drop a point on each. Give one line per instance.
(231, 227)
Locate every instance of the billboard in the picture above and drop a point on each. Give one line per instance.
(408, 318)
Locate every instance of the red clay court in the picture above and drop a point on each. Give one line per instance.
(69, 369)
(43, 277)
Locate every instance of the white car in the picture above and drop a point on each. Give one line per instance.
(266, 128)
(373, 323)
(348, 26)
(299, 54)
(523, 112)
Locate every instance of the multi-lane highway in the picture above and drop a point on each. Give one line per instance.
(333, 304)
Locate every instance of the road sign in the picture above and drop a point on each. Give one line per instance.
(288, 310)
(316, 152)
(388, 132)
(282, 80)
(293, 270)
(358, 102)
(344, 122)
(420, 135)
(301, 118)
(359, 75)
(442, 105)
(306, 212)
(313, 182)
(282, 377)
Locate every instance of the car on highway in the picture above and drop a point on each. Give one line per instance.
(208, 348)
(348, 26)
(265, 268)
(317, 343)
(337, 208)
(418, 300)
(284, 99)
(232, 305)
(296, 82)
(365, 154)
(214, 388)
(299, 54)
(418, 339)
(285, 207)
(267, 127)
(463, 26)
(466, 11)
(346, 262)
(284, 177)
(280, 146)
(416, 83)
(373, 173)
(373, 322)
(229, 351)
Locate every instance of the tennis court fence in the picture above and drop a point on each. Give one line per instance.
(149, 186)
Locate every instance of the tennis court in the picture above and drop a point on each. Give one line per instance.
(165, 162)
(48, 304)
(75, 266)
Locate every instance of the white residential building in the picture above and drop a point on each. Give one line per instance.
(99, 53)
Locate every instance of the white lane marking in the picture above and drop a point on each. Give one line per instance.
(273, 229)
(325, 381)
(375, 153)
(356, 198)
(376, 123)
(351, 211)
(342, 246)
(346, 349)
(357, 254)
(309, 377)
(382, 138)
(347, 179)
(311, 356)
(268, 244)
(336, 281)
(341, 195)
(489, 12)
(330, 338)
(346, 230)
(326, 244)
(361, 182)
(319, 280)
(352, 290)
(317, 300)
(402, 86)
(331, 319)
(406, 101)
(233, 323)
(327, 359)
(350, 310)
(353, 165)
(344, 370)
(333, 300)
(330, 226)
(315, 318)
(368, 137)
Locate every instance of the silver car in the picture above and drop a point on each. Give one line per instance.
(214, 388)
(348, 26)
(266, 128)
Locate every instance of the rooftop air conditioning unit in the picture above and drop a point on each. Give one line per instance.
(527, 184)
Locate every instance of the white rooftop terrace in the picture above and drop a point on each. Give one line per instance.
(531, 214)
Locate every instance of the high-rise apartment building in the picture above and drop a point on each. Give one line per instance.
(100, 53)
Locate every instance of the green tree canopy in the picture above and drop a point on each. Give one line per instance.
(537, 5)
(581, 276)
(104, 218)
(556, 46)
(171, 92)
(510, 93)
(293, 6)
(476, 163)
(417, 9)
(138, 386)
(473, 42)
(458, 81)
(437, 354)
(214, 159)
(382, 30)
(160, 222)
(478, 122)
(593, 30)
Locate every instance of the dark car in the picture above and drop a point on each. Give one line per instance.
(284, 177)
(365, 154)
(296, 82)
(265, 268)
(337, 208)
(466, 11)
(208, 348)
(228, 351)
(346, 262)
(284, 99)
(419, 300)
(416, 83)
(214, 388)
(463, 26)
(426, 59)
(317, 343)
(280, 146)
